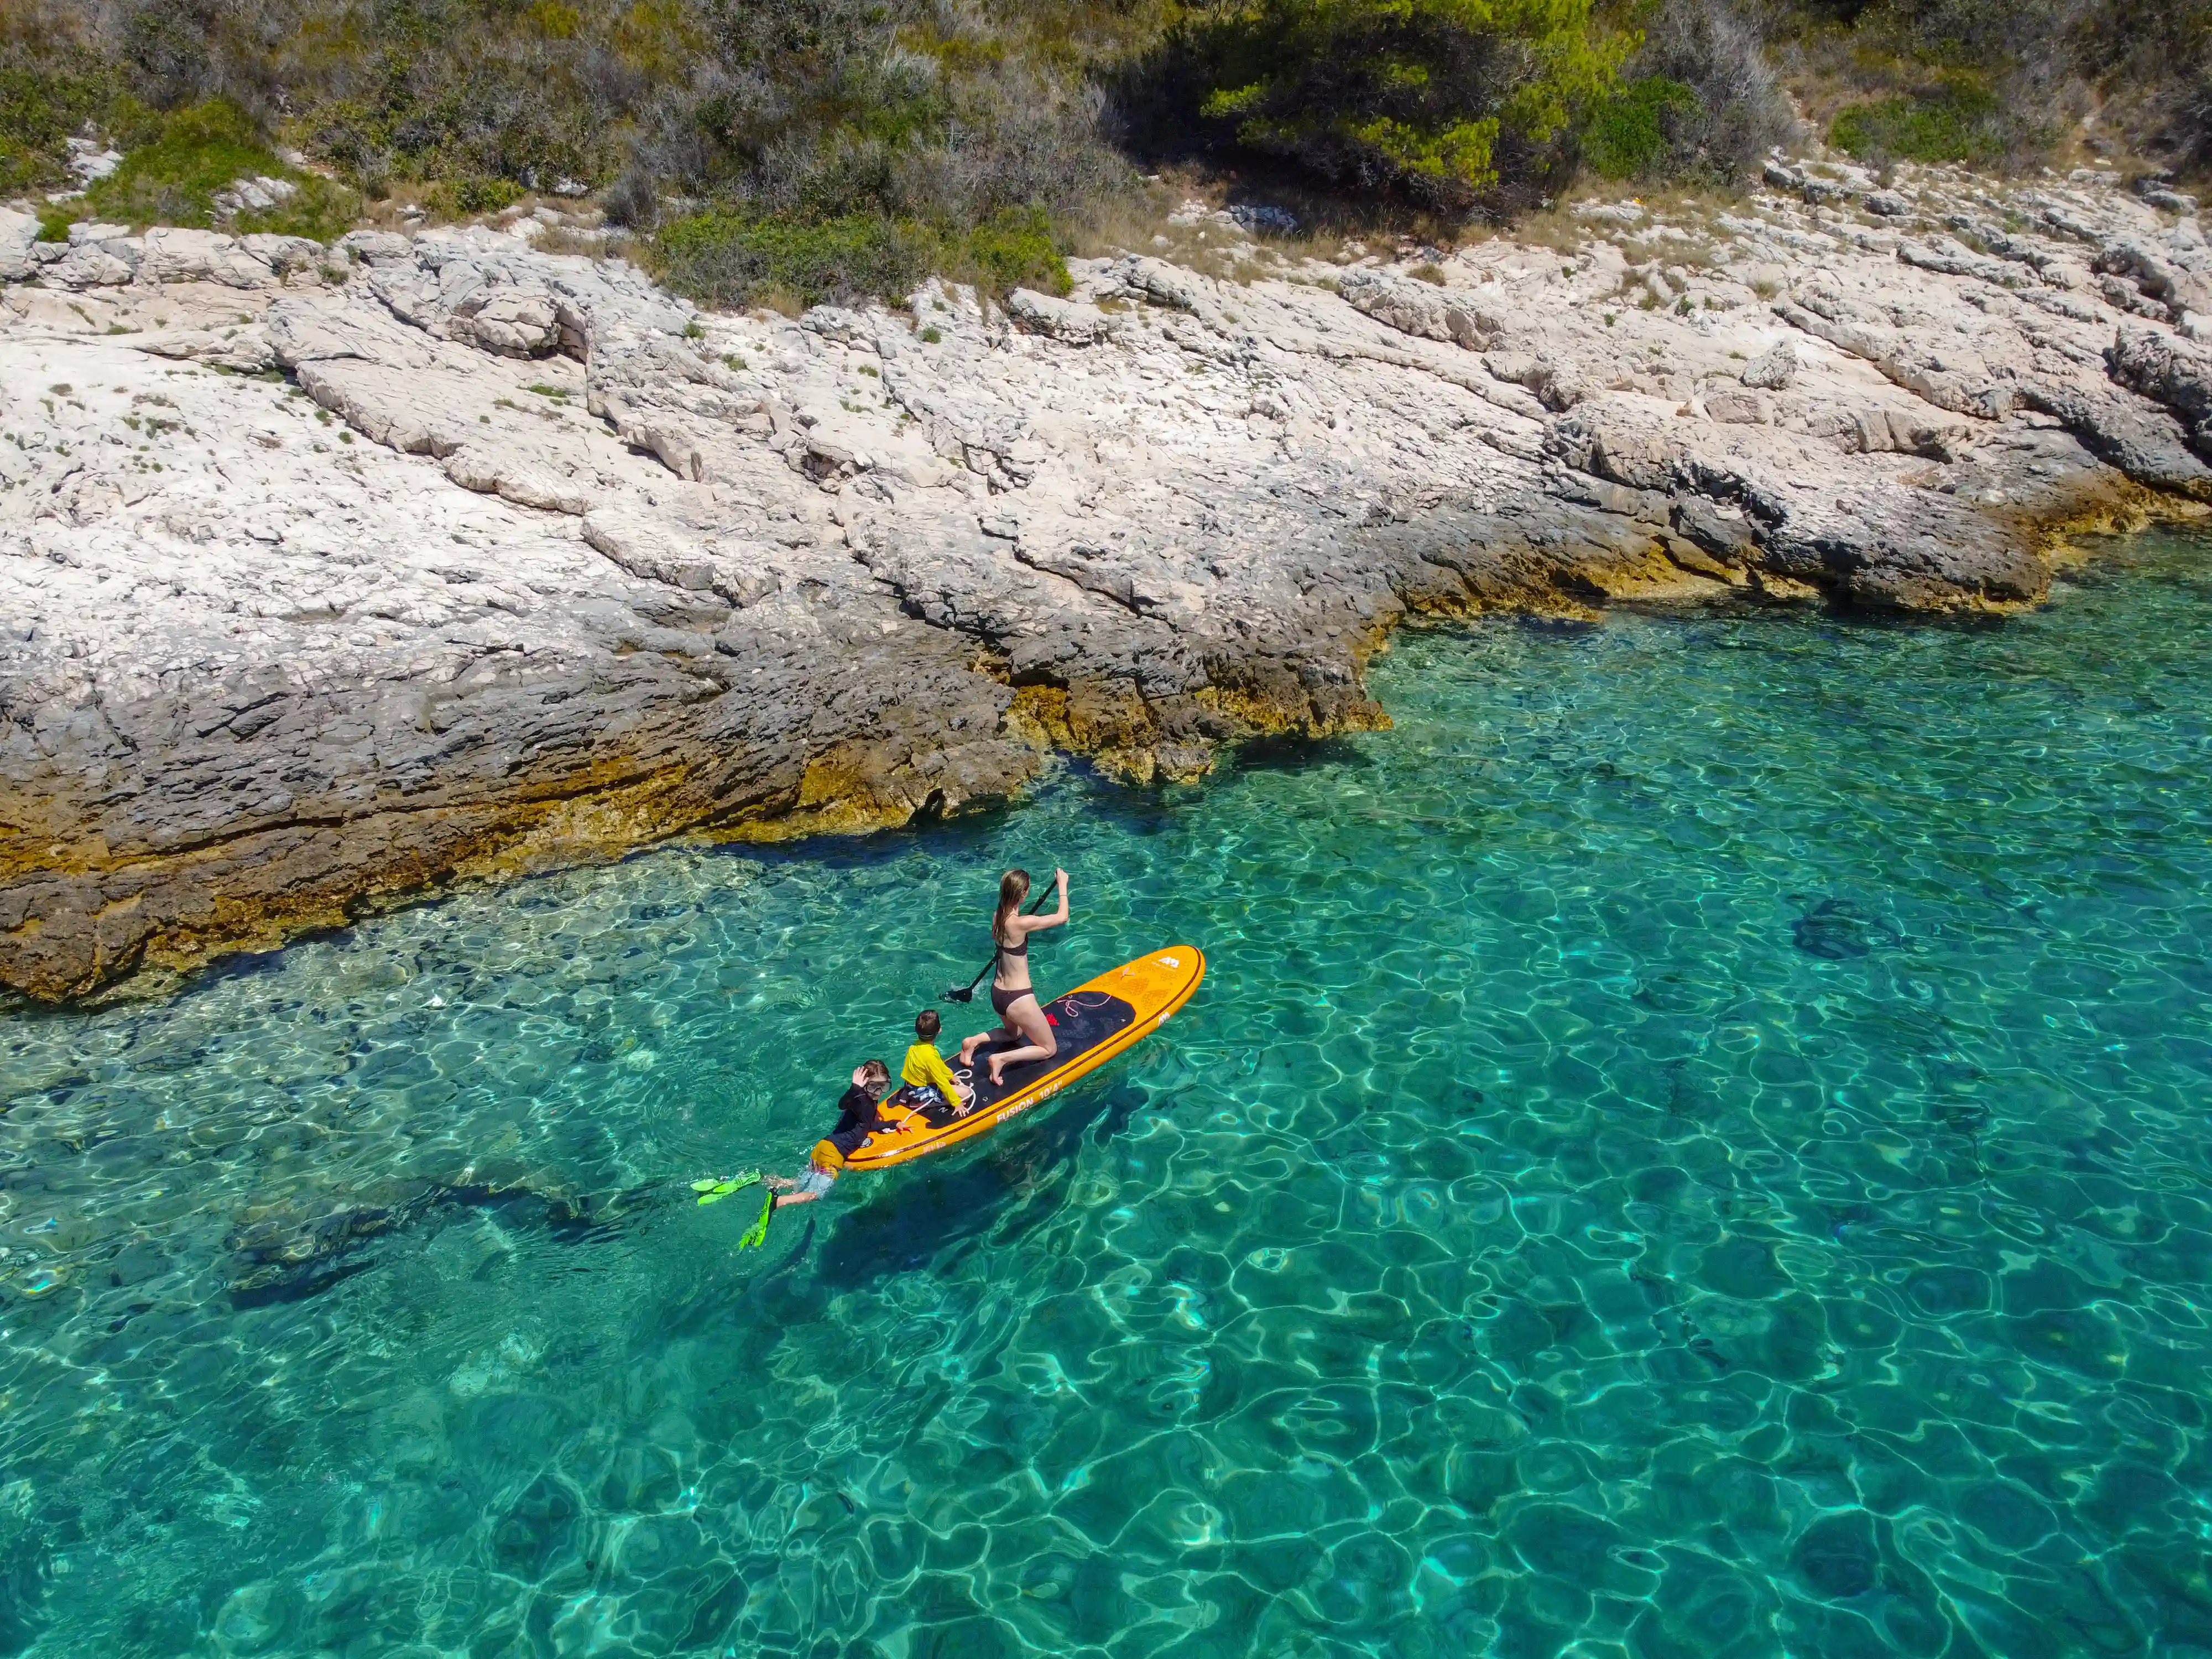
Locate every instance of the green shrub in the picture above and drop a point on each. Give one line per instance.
(466, 92)
(1627, 136)
(1959, 122)
(464, 198)
(723, 259)
(173, 179)
(1428, 96)
(41, 106)
(324, 209)
(1730, 108)
(1013, 249)
(194, 154)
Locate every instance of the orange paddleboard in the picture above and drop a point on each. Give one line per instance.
(1094, 1021)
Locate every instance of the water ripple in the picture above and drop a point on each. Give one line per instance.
(1691, 1145)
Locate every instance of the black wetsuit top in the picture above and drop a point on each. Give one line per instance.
(856, 1121)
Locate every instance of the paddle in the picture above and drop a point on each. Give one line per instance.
(967, 993)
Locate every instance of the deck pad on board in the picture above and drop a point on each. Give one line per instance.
(1081, 1020)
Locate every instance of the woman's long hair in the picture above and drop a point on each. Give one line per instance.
(1013, 888)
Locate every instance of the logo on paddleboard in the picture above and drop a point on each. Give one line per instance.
(1170, 962)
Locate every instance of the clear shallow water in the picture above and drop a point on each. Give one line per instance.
(1695, 1144)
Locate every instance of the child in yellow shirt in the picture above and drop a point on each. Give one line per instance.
(929, 1081)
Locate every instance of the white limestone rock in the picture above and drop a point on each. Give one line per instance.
(514, 475)
(19, 233)
(377, 247)
(89, 264)
(1773, 369)
(1737, 408)
(255, 194)
(285, 255)
(2179, 282)
(202, 256)
(1071, 322)
(838, 323)
(246, 351)
(1418, 308)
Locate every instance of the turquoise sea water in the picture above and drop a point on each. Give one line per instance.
(1695, 1143)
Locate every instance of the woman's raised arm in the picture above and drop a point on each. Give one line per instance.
(1039, 924)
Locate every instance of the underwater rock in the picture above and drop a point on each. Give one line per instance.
(283, 1252)
(1837, 931)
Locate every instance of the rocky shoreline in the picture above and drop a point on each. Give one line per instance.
(331, 574)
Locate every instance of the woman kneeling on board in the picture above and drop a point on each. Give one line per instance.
(1012, 995)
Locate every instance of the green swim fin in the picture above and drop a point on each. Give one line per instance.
(714, 1189)
(757, 1235)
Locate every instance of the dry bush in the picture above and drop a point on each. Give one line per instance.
(2002, 82)
(803, 109)
(1717, 49)
(926, 119)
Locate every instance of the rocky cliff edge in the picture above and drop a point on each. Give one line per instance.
(329, 574)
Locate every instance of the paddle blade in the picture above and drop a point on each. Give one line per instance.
(960, 993)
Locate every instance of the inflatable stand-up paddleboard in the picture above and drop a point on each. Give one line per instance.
(1094, 1023)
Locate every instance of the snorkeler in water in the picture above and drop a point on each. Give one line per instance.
(858, 1116)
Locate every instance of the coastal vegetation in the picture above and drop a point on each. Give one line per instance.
(804, 150)
(1441, 100)
(2005, 82)
(179, 164)
(733, 260)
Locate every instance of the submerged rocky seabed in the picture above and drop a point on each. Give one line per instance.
(1694, 1141)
